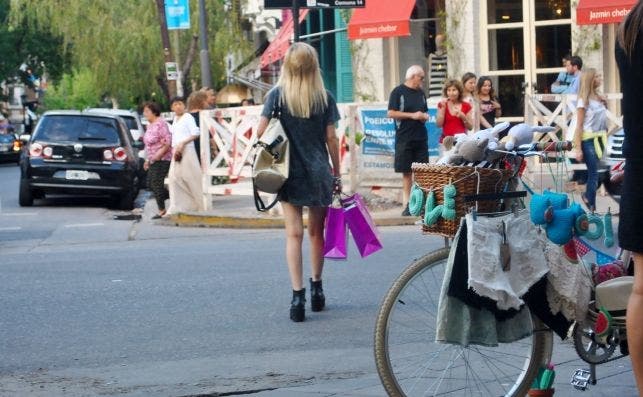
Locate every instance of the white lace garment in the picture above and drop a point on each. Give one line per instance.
(569, 285)
(527, 263)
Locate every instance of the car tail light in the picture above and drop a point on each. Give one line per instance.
(120, 154)
(108, 155)
(35, 150)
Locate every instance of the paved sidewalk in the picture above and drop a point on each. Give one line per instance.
(239, 212)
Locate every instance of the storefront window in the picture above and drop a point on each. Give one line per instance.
(544, 82)
(506, 49)
(552, 44)
(504, 11)
(511, 95)
(552, 9)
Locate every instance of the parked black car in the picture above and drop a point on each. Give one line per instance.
(80, 153)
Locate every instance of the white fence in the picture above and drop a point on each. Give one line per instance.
(227, 136)
(537, 112)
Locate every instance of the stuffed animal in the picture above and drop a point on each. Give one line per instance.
(491, 134)
(469, 150)
(541, 206)
(449, 142)
(561, 228)
(521, 134)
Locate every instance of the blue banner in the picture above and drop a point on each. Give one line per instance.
(177, 14)
(434, 134)
(379, 133)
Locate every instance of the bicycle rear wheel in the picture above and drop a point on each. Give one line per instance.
(411, 363)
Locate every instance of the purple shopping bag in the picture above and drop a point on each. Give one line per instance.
(335, 237)
(361, 225)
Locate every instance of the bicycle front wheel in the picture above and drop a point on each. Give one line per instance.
(411, 363)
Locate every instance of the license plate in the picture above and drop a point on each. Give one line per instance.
(4, 148)
(77, 175)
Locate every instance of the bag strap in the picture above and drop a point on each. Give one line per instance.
(276, 109)
(259, 204)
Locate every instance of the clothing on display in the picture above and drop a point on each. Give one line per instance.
(505, 257)
(461, 324)
(569, 285)
(510, 284)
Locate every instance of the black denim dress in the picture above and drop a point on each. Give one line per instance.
(310, 179)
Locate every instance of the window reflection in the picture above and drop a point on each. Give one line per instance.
(552, 44)
(504, 11)
(552, 9)
(544, 82)
(506, 51)
(510, 93)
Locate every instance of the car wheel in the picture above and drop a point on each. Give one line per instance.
(25, 196)
(126, 202)
(38, 194)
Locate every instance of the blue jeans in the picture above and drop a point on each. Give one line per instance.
(591, 161)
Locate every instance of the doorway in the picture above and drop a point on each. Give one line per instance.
(523, 43)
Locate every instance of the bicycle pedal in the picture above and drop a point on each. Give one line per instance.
(580, 379)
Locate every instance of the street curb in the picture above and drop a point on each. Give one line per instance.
(231, 222)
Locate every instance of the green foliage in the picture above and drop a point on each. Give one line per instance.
(119, 41)
(224, 35)
(75, 91)
(29, 43)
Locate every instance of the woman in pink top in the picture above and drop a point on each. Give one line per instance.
(158, 141)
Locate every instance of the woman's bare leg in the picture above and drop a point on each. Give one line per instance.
(294, 237)
(316, 219)
(634, 320)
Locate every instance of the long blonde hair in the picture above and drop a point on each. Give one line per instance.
(302, 87)
(587, 88)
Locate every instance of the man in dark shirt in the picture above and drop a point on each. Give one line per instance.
(407, 105)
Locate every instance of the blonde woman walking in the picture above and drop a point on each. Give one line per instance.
(590, 135)
(308, 114)
(184, 178)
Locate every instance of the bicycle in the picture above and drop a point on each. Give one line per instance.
(410, 362)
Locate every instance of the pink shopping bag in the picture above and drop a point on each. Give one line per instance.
(335, 234)
(361, 225)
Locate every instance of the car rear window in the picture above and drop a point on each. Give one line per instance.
(78, 128)
(131, 122)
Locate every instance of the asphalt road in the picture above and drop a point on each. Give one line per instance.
(90, 305)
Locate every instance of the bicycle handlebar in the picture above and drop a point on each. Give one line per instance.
(545, 147)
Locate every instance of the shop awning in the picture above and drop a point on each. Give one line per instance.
(595, 12)
(280, 44)
(381, 19)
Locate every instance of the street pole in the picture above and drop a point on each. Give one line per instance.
(295, 18)
(167, 51)
(204, 55)
(179, 84)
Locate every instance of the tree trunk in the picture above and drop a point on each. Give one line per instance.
(189, 59)
(167, 50)
(162, 82)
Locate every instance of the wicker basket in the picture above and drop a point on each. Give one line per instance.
(467, 181)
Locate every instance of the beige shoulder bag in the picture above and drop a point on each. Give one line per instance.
(271, 161)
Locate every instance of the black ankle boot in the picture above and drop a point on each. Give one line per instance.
(298, 306)
(317, 298)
